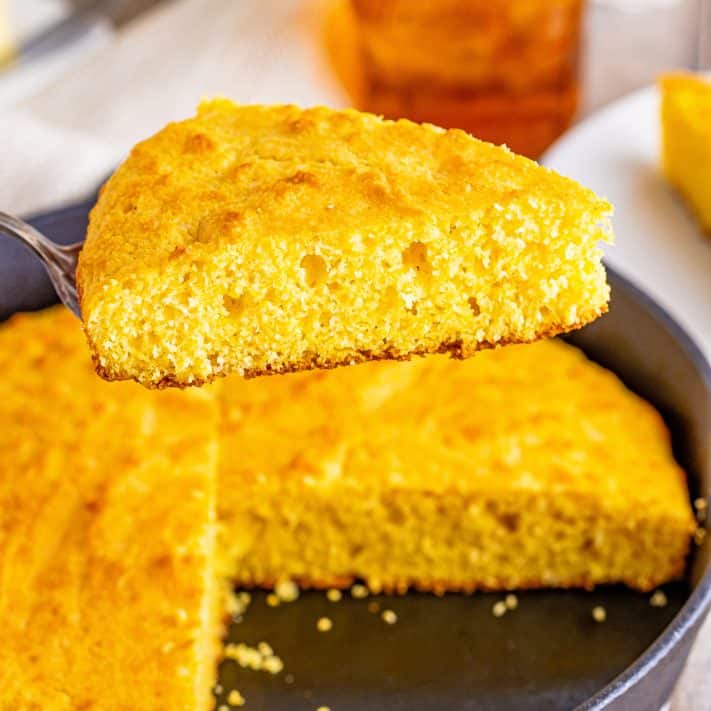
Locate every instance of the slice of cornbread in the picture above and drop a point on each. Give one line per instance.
(108, 598)
(266, 239)
(686, 140)
(523, 467)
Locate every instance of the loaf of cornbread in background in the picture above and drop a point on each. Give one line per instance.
(268, 239)
(107, 588)
(523, 467)
(686, 140)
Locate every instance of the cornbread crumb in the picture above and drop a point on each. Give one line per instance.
(373, 606)
(701, 508)
(511, 601)
(273, 664)
(359, 591)
(217, 689)
(223, 707)
(287, 591)
(237, 603)
(265, 649)
(196, 265)
(334, 595)
(599, 613)
(499, 609)
(658, 599)
(273, 600)
(289, 678)
(234, 698)
(324, 624)
(323, 708)
(389, 617)
(260, 658)
(699, 535)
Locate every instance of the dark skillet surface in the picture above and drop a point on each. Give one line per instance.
(452, 653)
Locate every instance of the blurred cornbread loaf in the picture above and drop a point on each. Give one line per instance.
(686, 140)
(268, 239)
(524, 467)
(504, 71)
(107, 587)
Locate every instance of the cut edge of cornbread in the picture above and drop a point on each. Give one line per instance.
(414, 240)
(686, 140)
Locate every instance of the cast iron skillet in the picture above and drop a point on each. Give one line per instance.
(452, 653)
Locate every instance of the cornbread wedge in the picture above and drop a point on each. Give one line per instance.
(267, 239)
(108, 598)
(686, 140)
(524, 467)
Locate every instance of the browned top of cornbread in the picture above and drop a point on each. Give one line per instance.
(265, 239)
(442, 424)
(106, 496)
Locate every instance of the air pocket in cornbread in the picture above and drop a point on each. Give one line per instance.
(524, 467)
(108, 594)
(686, 140)
(267, 239)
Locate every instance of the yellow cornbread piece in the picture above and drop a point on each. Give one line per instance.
(686, 140)
(267, 239)
(524, 467)
(107, 587)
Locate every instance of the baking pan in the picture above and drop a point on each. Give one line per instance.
(451, 653)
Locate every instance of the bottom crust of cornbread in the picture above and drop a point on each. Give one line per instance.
(526, 467)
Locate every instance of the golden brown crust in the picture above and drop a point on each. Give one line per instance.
(468, 587)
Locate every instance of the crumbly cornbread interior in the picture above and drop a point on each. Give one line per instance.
(686, 140)
(524, 467)
(108, 593)
(266, 239)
